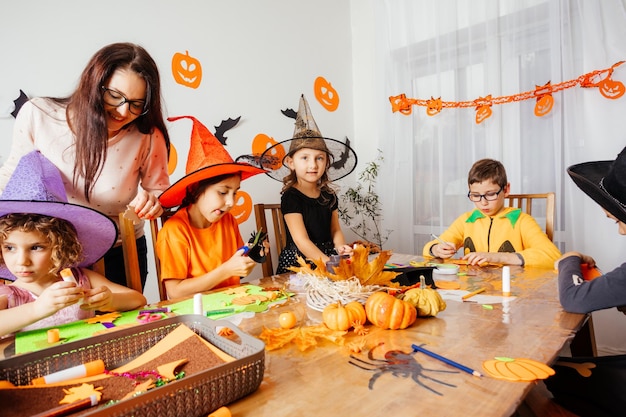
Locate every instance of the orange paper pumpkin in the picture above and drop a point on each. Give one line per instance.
(172, 160)
(482, 113)
(519, 369)
(186, 70)
(243, 207)
(544, 105)
(261, 143)
(434, 106)
(611, 89)
(326, 94)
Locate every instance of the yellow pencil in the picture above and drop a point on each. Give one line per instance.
(473, 293)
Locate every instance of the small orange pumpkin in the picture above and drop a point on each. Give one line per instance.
(336, 316)
(326, 94)
(186, 70)
(243, 207)
(388, 312)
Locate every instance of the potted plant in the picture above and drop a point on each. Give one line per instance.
(361, 209)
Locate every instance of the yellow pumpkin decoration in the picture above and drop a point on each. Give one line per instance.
(520, 369)
(388, 312)
(427, 301)
(339, 317)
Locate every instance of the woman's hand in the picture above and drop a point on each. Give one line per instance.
(344, 250)
(146, 205)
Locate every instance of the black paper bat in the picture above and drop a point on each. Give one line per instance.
(19, 102)
(291, 113)
(341, 162)
(224, 127)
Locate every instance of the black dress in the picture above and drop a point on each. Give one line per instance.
(317, 215)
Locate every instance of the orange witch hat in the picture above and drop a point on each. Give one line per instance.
(207, 158)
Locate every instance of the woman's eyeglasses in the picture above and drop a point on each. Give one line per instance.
(490, 196)
(116, 99)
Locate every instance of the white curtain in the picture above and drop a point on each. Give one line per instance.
(461, 50)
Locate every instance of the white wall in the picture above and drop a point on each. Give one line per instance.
(257, 58)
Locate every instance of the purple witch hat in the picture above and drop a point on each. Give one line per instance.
(36, 187)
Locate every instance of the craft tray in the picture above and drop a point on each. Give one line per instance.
(194, 395)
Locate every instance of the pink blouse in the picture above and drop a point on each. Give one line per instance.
(18, 296)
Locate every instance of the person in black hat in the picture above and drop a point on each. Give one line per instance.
(309, 204)
(599, 391)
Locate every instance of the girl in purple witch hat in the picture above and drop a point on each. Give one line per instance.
(42, 234)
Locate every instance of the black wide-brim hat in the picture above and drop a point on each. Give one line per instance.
(604, 182)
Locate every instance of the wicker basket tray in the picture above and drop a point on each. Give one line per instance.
(194, 395)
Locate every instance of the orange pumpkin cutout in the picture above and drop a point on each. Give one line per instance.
(433, 106)
(326, 94)
(401, 103)
(261, 143)
(483, 110)
(173, 160)
(520, 369)
(186, 70)
(544, 105)
(611, 89)
(243, 207)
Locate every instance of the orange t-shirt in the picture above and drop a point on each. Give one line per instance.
(186, 252)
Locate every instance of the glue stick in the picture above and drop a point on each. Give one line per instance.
(68, 276)
(506, 281)
(87, 369)
(198, 308)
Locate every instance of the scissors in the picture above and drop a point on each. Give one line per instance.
(149, 317)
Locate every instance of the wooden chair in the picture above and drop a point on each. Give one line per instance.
(155, 225)
(131, 258)
(280, 232)
(525, 202)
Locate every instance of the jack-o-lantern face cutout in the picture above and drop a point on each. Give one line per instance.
(186, 70)
(433, 106)
(172, 160)
(611, 89)
(401, 103)
(243, 207)
(544, 105)
(274, 158)
(326, 94)
(483, 110)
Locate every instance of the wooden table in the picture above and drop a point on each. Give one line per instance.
(321, 381)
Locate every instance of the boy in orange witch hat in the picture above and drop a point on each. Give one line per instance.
(200, 246)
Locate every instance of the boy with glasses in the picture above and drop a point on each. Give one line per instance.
(494, 233)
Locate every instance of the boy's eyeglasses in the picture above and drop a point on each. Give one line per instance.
(490, 196)
(116, 99)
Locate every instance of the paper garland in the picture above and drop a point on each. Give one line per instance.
(608, 87)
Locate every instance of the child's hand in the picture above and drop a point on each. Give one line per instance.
(443, 251)
(98, 299)
(344, 250)
(239, 264)
(56, 297)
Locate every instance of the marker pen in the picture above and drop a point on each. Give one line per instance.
(87, 369)
(70, 408)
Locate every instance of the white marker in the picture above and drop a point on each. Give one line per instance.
(87, 369)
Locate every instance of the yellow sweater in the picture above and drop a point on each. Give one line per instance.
(510, 230)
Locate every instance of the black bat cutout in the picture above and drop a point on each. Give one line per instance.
(291, 113)
(224, 127)
(343, 158)
(19, 102)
